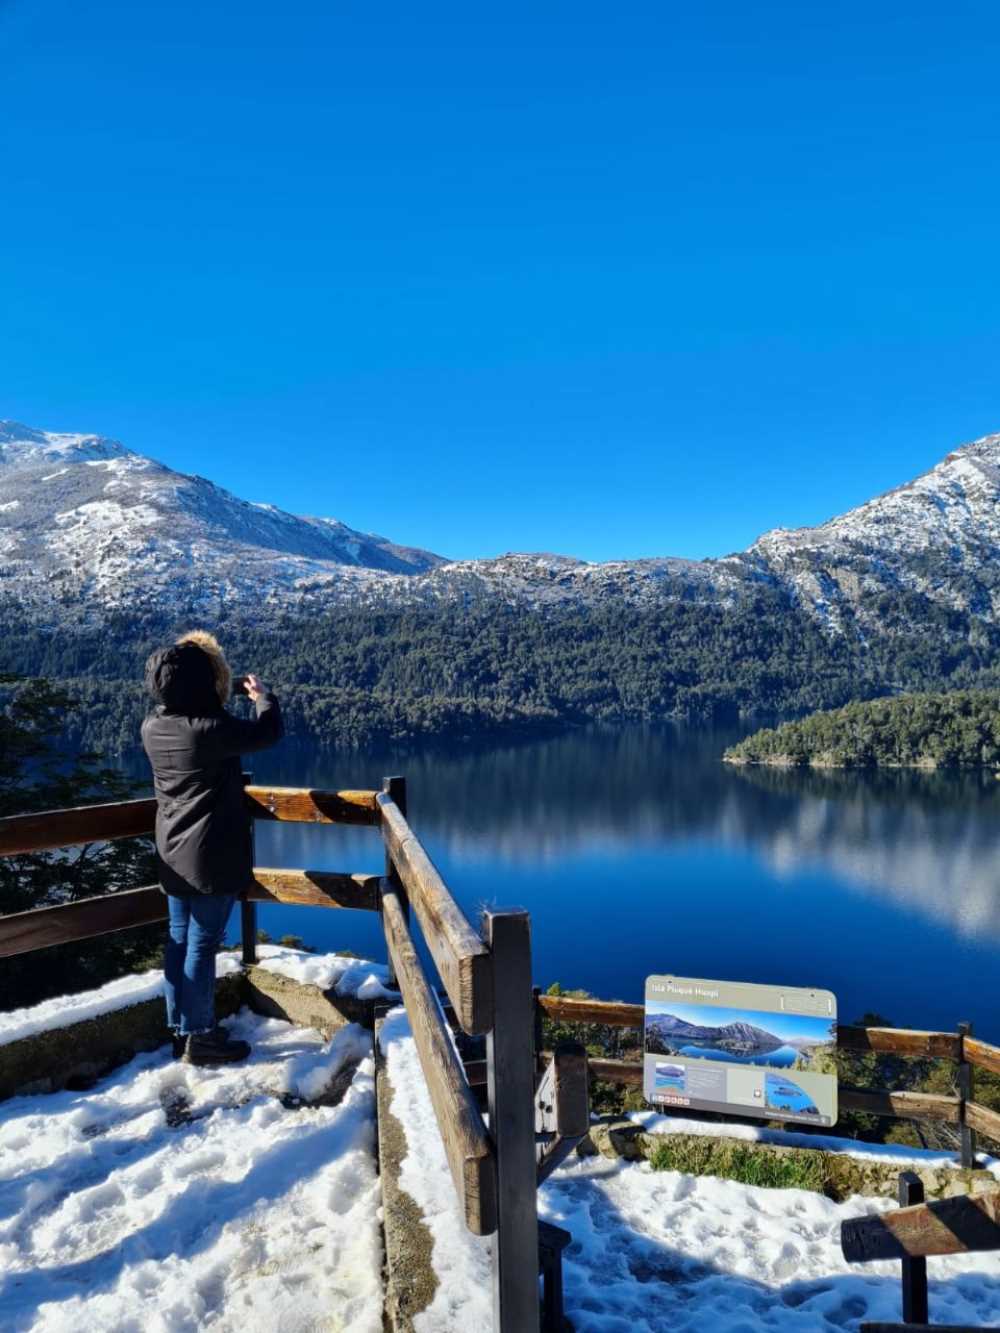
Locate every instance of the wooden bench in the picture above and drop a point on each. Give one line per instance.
(961, 1225)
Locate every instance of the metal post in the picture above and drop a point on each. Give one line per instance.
(911, 1190)
(966, 1092)
(510, 1064)
(248, 910)
(395, 788)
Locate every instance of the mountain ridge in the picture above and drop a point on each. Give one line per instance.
(88, 525)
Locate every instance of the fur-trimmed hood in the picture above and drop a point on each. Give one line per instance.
(181, 680)
(221, 670)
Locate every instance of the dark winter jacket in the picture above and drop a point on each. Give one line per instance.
(202, 823)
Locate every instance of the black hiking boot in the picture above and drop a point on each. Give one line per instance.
(179, 1044)
(215, 1048)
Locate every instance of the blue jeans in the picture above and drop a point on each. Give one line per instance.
(197, 928)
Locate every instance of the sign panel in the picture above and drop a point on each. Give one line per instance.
(741, 1048)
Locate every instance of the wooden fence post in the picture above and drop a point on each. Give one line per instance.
(510, 1062)
(966, 1093)
(395, 789)
(248, 909)
(911, 1190)
(537, 1029)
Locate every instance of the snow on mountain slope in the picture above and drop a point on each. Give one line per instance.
(87, 525)
(86, 522)
(937, 536)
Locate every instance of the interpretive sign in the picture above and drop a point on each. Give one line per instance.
(741, 1048)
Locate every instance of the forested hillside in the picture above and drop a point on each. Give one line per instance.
(356, 676)
(960, 728)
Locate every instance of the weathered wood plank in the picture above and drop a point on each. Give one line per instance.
(562, 1106)
(903, 1105)
(475, 1072)
(510, 1060)
(315, 888)
(71, 828)
(462, 960)
(467, 1144)
(395, 788)
(961, 1225)
(615, 1015)
(22, 932)
(879, 1327)
(983, 1120)
(616, 1071)
(899, 1041)
(309, 805)
(982, 1054)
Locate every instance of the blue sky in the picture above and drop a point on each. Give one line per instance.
(609, 280)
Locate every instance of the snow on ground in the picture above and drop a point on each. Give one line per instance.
(67, 1009)
(171, 1199)
(654, 1250)
(348, 977)
(464, 1299)
(345, 976)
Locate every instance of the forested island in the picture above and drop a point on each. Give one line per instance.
(951, 729)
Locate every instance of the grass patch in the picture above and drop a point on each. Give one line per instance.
(747, 1164)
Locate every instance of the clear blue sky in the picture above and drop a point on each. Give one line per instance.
(612, 280)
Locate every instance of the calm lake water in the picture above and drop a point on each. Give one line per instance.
(637, 851)
(781, 1058)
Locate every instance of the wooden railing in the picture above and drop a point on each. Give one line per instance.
(537, 1100)
(485, 974)
(966, 1051)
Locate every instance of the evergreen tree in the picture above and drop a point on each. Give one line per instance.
(35, 775)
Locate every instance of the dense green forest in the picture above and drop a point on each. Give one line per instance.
(34, 775)
(354, 677)
(960, 728)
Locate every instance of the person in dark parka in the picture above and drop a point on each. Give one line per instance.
(203, 843)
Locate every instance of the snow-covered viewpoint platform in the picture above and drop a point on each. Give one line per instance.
(170, 1199)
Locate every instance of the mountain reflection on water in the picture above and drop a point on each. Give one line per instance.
(638, 851)
(926, 840)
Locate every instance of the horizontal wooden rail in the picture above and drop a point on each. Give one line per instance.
(70, 828)
(879, 1326)
(22, 932)
(48, 829)
(462, 959)
(315, 888)
(960, 1225)
(903, 1105)
(982, 1054)
(611, 1071)
(616, 1071)
(466, 1142)
(889, 1041)
(612, 1014)
(900, 1041)
(984, 1120)
(309, 805)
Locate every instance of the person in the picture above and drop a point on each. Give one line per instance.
(203, 826)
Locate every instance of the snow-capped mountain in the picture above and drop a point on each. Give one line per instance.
(937, 537)
(87, 525)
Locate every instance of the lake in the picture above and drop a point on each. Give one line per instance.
(782, 1057)
(637, 851)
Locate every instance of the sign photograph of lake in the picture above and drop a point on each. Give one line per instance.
(736, 1036)
(637, 850)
